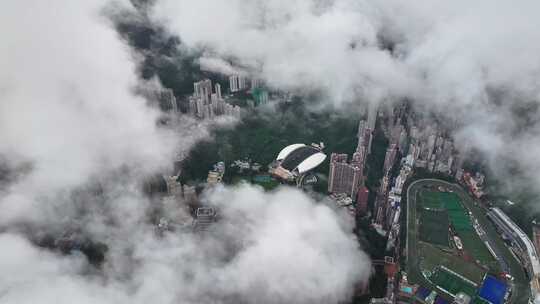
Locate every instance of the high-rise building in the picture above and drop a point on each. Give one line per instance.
(237, 83)
(256, 83)
(362, 201)
(173, 186)
(233, 83)
(365, 135)
(372, 117)
(403, 141)
(361, 129)
(380, 210)
(242, 83)
(358, 159)
(344, 177)
(390, 158)
(167, 100)
(395, 133)
(260, 96)
(205, 104)
(190, 194)
(218, 90)
(203, 90)
(536, 236)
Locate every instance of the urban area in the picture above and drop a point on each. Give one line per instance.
(443, 241)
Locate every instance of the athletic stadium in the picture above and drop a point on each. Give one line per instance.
(294, 161)
(455, 262)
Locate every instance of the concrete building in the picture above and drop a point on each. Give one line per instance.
(237, 83)
(260, 96)
(256, 83)
(203, 90)
(214, 177)
(390, 158)
(205, 105)
(358, 159)
(365, 138)
(362, 201)
(344, 177)
(295, 161)
(217, 88)
(190, 193)
(520, 244)
(536, 236)
(167, 99)
(174, 188)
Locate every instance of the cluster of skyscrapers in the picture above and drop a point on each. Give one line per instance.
(348, 177)
(432, 150)
(167, 100)
(205, 103)
(238, 83)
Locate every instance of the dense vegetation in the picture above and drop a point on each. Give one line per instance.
(263, 132)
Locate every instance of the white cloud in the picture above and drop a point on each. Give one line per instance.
(294, 44)
(457, 58)
(66, 103)
(277, 247)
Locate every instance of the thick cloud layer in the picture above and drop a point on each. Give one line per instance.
(476, 62)
(66, 107)
(76, 143)
(303, 44)
(268, 248)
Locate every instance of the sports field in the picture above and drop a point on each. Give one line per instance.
(424, 258)
(460, 221)
(433, 257)
(452, 282)
(434, 227)
(431, 200)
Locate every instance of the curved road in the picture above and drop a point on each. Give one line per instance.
(521, 290)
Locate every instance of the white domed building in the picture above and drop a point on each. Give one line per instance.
(295, 161)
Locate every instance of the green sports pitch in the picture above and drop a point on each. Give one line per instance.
(452, 282)
(434, 206)
(434, 227)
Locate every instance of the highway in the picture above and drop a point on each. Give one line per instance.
(521, 288)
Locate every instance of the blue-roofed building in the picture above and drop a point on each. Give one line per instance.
(493, 290)
(422, 293)
(440, 300)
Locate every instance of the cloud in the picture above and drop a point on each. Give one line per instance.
(293, 44)
(294, 250)
(39, 276)
(67, 105)
(218, 65)
(474, 63)
(277, 247)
